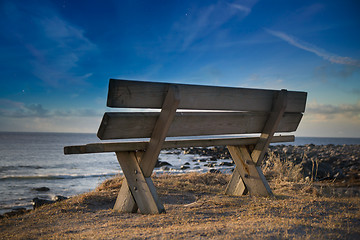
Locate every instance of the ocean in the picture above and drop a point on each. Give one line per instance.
(33, 160)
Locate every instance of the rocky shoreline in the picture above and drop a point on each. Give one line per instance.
(312, 163)
(316, 162)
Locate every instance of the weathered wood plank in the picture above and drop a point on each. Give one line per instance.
(236, 186)
(125, 202)
(158, 135)
(272, 123)
(250, 174)
(137, 183)
(138, 94)
(142, 145)
(150, 156)
(120, 125)
(155, 195)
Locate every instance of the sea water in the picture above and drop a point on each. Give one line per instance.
(33, 160)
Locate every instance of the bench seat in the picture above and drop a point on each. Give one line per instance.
(168, 144)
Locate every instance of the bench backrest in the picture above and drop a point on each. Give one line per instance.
(228, 110)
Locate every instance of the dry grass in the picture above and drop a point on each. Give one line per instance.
(196, 208)
(282, 170)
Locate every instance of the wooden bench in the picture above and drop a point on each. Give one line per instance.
(214, 111)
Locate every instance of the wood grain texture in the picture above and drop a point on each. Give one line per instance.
(122, 125)
(236, 186)
(142, 145)
(279, 105)
(251, 175)
(125, 202)
(137, 183)
(138, 94)
(149, 159)
(158, 135)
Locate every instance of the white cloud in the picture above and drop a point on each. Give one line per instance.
(327, 120)
(244, 9)
(13, 109)
(51, 47)
(205, 21)
(328, 111)
(313, 49)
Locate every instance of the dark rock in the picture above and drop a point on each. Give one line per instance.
(38, 202)
(162, 163)
(187, 163)
(210, 165)
(212, 159)
(214, 171)
(18, 209)
(339, 174)
(42, 189)
(183, 167)
(59, 198)
(16, 212)
(229, 164)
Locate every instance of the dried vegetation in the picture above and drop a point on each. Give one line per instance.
(197, 208)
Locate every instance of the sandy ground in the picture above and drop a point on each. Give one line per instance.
(197, 208)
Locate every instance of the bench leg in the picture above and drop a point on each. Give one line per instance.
(147, 162)
(247, 174)
(125, 202)
(141, 189)
(236, 186)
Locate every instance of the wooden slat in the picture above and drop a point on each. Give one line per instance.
(140, 125)
(159, 133)
(153, 191)
(251, 174)
(236, 186)
(124, 202)
(138, 184)
(150, 156)
(142, 145)
(277, 112)
(138, 94)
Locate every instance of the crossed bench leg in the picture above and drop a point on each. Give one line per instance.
(143, 193)
(247, 175)
(138, 190)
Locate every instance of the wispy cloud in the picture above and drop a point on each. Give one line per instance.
(55, 47)
(313, 49)
(200, 23)
(329, 111)
(14, 109)
(246, 10)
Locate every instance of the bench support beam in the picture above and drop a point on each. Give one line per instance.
(138, 185)
(251, 175)
(247, 175)
(147, 162)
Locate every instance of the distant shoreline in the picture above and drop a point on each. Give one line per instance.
(299, 140)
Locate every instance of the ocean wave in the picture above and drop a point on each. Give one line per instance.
(7, 168)
(63, 176)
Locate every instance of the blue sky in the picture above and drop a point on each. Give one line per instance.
(57, 56)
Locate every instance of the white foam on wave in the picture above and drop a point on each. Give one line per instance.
(57, 176)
